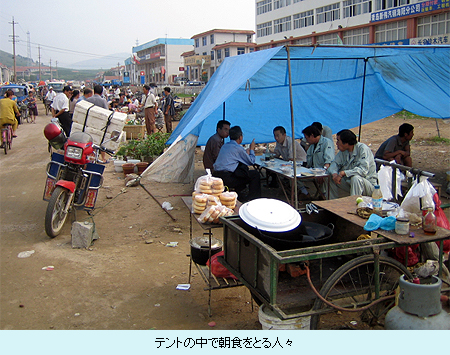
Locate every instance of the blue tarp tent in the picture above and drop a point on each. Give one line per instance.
(339, 86)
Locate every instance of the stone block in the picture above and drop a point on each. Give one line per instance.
(83, 234)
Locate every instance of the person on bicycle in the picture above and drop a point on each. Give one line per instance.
(8, 111)
(49, 97)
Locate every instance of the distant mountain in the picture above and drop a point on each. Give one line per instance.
(106, 62)
(7, 59)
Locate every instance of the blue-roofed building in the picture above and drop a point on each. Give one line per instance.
(159, 61)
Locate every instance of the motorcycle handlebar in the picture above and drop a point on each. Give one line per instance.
(110, 152)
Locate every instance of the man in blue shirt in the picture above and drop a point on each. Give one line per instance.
(232, 166)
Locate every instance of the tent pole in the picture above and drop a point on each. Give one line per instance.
(223, 114)
(294, 165)
(362, 99)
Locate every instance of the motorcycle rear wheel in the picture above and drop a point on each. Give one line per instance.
(55, 216)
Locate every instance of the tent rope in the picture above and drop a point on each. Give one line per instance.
(247, 85)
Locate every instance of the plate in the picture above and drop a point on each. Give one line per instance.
(318, 171)
(270, 215)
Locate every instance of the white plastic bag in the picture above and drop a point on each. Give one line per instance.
(422, 190)
(385, 182)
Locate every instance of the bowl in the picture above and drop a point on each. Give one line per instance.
(270, 164)
(286, 169)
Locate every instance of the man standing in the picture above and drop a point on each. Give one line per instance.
(86, 94)
(169, 109)
(353, 169)
(97, 98)
(150, 109)
(397, 147)
(232, 166)
(214, 143)
(8, 112)
(60, 109)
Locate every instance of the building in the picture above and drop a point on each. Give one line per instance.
(211, 47)
(351, 22)
(160, 61)
(5, 74)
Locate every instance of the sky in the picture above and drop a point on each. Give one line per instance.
(70, 32)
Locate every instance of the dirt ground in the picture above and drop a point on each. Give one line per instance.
(127, 279)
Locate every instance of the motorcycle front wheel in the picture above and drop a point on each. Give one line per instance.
(55, 215)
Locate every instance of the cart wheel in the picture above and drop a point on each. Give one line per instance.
(352, 286)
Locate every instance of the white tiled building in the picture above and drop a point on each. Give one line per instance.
(211, 47)
(353, 22)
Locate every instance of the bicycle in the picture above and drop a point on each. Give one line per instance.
(47, 105)
(7, 137)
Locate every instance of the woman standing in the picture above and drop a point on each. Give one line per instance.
(32, 106)
(73, 101)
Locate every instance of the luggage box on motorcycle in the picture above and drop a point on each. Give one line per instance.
(53, 169)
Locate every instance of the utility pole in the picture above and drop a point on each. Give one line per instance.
(51, 74)
(14, 45)
(39, 58)
(56, 69)
(29, 49)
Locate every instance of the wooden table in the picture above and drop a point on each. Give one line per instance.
(303, 174)
(342, 207)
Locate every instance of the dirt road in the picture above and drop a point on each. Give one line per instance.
(127, 279)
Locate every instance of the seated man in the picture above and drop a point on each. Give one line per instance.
(325, 131)
(397, 147)
(320, 153)
(215, 142)
(353, 169)
(283, 150)
(8, 112)
(232, 166)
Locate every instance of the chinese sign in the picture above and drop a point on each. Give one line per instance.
(439, 39)
(425, 6)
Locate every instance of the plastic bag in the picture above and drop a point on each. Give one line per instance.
(385, 182)
(413, 254)
(208, 184)
(441, 220)
(422, 190)
(217, 269)
(212, 213)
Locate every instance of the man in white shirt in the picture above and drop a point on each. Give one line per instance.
(50, 94)
(60, 109)
(150, 109)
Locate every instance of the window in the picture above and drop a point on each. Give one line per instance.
(212, 55)
(211, 39)
(263, 6)
(204, 53)
(282, 24)
(304, 19)
(249, 38)
(392, 31)
(219, 54)
(264, 29)
(227, 52)
(278, 4)
(387, 4)
(356, 7)
(303, 41)
(357, 37)
(331, 38)
(197, 43)
(296, 1)
(240, 50)
(328, 13)
(251, 49)
(433, 25)
(204, 41)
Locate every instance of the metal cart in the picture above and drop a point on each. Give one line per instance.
(356, 278)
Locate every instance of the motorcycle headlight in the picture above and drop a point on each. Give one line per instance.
(74, 152)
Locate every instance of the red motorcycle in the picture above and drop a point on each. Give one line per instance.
(73, 178)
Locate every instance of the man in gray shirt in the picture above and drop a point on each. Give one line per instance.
(97, 99)
(353, 169)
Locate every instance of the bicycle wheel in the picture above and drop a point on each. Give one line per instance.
(5, 141)
(10, 138)
(353, 286)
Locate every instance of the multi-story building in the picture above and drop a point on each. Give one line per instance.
(352, 22)
(159, 61)
(211, 47)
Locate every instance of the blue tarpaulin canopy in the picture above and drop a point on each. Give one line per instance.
(330, 84)
(339, 86)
